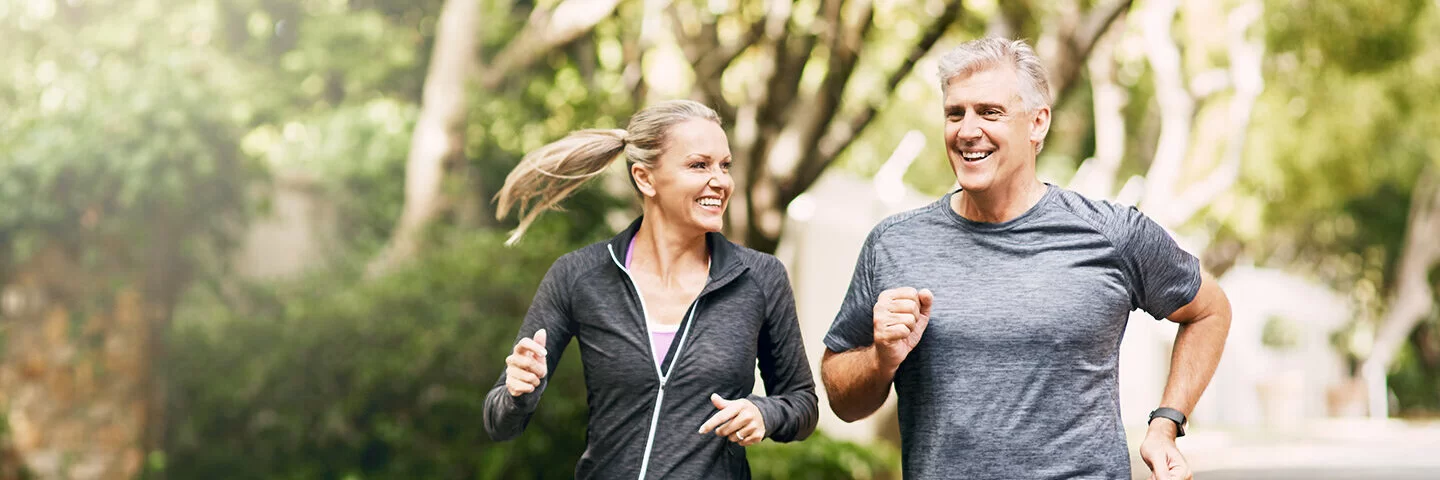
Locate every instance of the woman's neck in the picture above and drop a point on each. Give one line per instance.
(668, 252)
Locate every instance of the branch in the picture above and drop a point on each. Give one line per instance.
(839, 136)
(843, 41)
(1177, 107)
(709, 58)
(1096, 176)
(790, 57)
(1245, 64)
(1075, 40)
(1413, 293)
(652, 23)
(545, 32)
(780, 86)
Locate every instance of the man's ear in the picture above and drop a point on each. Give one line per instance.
(1040, 127)
(644, 179)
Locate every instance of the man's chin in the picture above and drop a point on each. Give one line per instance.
(974, 185)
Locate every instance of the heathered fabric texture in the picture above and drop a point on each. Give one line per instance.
(1015, 377)
(744, 315)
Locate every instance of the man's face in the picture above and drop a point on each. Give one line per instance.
(989, 136)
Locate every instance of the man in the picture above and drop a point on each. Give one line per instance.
(997, 311)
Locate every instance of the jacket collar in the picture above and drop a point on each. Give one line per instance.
(725, 263)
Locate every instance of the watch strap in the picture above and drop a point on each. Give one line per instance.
(1172, 415)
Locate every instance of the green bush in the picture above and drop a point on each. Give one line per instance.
(822, 457)
(329, 378)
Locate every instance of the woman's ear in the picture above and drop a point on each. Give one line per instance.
(644, 179)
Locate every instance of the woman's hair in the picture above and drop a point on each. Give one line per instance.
(554, 171)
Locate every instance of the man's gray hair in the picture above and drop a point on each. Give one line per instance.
(986, 53)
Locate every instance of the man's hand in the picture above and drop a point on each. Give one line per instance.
(739, 420)
(526, 365)
(901, 315)
(1160, 453)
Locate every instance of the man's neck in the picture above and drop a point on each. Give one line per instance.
(997, 205)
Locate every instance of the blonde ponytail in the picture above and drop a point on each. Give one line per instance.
(554, 171)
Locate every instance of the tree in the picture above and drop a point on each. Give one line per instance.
(123, 184)
(787, 130)
(1414, 285)
(1160, 191)
(438, 142)
(1346, 146)
(438, 132)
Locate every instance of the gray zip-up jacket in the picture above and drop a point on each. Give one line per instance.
(644, 418)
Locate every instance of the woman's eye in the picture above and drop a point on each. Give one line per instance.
(697, 165)
(725, 165)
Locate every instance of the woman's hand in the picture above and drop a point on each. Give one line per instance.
(526, 365)
(739, 420)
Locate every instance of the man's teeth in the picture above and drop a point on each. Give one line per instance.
(710, 202)
(974, 155)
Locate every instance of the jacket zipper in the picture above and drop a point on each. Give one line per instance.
(665, 375)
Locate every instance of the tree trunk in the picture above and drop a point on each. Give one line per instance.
(438, 141)
(77, 377)
(1414, 294)
(439, 132)
(1163, 197)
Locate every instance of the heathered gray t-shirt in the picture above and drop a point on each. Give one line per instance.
(1015, 377)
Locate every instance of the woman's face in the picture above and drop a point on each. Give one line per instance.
(690, 184)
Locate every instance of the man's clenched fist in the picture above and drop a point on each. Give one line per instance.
(901, 315)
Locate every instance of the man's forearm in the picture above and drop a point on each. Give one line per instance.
(1198, 346)
(855, 382)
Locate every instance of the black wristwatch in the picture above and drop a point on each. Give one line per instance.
(1171, 415)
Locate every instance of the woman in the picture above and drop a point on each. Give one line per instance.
(671, 317)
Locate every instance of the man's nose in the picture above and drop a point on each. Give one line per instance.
(969, 127)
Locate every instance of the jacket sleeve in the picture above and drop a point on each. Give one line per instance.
(505, 416)
(790, 410)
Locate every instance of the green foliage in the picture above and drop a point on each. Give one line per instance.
(1341, 134)
(822, 457)
(1340, 204)
(127, 159)
(331, 379)
(1415, 374)
(1376, 33)
(1280, 333)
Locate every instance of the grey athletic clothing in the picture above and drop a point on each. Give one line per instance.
(1015, 377)
(744, 315)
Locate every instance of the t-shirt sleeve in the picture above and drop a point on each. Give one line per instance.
(1162, 277)
(854, 325)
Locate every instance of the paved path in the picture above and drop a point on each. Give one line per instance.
(1323, 474)
(1321, 449)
